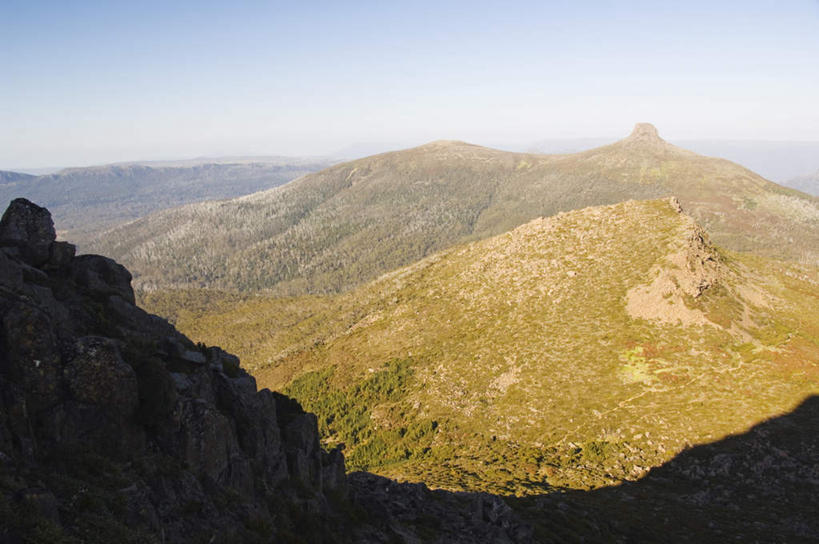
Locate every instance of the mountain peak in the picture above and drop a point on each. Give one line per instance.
(645, 132)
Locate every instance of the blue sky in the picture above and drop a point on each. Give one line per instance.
(86, 82)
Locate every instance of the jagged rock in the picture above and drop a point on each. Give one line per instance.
(703, 263)
(333, 475)
(60, 256)
(31, 353)
(102, 276)
(204, 437)
(28, 228)
(300, 430)
(11, 275)
(177, 349)
(97, 375)
(223, 361)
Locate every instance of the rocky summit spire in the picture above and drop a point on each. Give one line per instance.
(645, 138)
(645, 132)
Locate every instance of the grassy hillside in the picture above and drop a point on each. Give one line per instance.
(85, 201)
(348, 224)
(577, 351)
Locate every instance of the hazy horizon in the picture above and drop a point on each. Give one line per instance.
(778, 161)
(96, 83)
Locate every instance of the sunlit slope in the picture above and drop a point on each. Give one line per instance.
(575, 350)
(345, 225)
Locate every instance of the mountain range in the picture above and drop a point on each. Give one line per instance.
(337, 228)
(86, 201)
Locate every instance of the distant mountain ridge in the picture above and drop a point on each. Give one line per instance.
(14, 177)
(90, 199)
(336, 228)
(808, 184)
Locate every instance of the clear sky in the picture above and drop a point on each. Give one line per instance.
(86, 82)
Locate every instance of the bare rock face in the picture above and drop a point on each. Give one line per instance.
(102, 276)
(97, 375)
(29, 229)
(180, 445)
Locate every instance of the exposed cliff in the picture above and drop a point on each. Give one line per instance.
(115, 426)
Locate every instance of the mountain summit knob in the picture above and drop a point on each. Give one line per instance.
(644, 131)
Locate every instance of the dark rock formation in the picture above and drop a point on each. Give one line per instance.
(28, 229)
(114, 427)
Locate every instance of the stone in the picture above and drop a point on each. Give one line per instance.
(102, 276)
(333, 477)
(11, 275)
(31, 354)
(178, 350)
(205, 438)
(60, 256)
(97, 375)
(29, 228)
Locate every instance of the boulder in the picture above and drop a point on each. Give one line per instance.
(102, 276)
(28, 228)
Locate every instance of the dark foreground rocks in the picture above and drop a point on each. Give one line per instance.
(113, 426)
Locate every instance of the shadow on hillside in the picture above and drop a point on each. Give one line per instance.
(759, 486)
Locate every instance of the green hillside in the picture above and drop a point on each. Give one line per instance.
(574, 351)
(337, 228)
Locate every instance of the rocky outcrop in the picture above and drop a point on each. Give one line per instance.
(28, 230)
(114, 427)
(692, 266)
